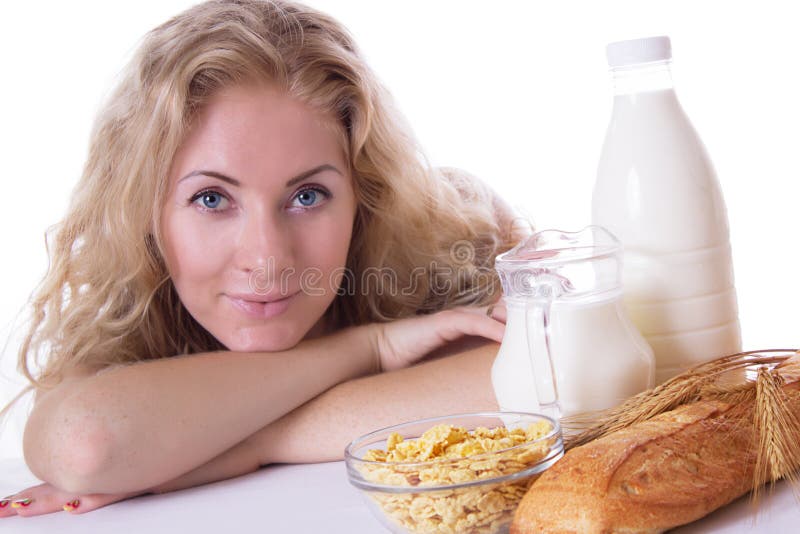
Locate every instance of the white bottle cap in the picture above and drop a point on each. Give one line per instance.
(649, 49)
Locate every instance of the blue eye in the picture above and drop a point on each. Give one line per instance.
(209, 200)
(308, 198)
(212, 200)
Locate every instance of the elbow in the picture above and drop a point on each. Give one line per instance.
(73, 455)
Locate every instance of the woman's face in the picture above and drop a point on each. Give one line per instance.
(258, 219)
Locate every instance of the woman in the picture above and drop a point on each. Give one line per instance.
(255, 256)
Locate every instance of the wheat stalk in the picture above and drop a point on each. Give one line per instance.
(777, 433)
(777, 427)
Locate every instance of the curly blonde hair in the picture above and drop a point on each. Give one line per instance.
(107, 297)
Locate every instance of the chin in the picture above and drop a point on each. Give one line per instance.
(247, 340)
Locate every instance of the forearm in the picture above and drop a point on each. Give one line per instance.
(135, 427)
(321, 429)
(241, 459)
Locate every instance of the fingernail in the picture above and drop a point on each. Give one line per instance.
(72, 505)
(4, 503)
(22, 503)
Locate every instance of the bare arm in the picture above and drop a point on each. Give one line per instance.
(138, 426)
(321, 429)
(242, 458)
(135, 427)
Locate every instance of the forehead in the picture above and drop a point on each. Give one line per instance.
(259, 126)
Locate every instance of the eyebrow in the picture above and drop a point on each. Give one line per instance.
(299, 178)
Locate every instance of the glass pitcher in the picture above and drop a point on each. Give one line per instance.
(569, 346)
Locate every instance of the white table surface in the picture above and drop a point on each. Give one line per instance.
(313, 498)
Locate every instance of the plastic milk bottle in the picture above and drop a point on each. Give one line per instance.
(657, 191)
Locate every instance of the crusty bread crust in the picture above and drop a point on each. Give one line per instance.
(652, 476)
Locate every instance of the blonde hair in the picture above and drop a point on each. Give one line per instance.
(107, 297)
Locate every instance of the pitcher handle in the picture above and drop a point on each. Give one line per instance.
(537, 326)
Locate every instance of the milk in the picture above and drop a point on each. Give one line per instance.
(598, 357)
(657, 191)
(569, 346)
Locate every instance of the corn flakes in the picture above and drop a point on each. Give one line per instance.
(456, 456)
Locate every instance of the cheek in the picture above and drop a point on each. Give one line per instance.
(326, 243)
(322, 248)
(194, 255)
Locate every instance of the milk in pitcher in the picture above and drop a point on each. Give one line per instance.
(569, 347)
(599, 358)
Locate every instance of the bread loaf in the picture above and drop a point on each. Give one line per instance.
(654, 475)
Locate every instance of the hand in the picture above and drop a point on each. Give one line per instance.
(401, 343)
(46, 498)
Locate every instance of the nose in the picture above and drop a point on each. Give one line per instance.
(264, 246)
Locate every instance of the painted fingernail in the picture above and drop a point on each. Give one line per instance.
(4, 503)
(22, 503)
(72, 505)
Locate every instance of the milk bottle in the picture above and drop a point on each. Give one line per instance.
(568, 347)
(657, 191)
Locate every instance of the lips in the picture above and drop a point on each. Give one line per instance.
(260, 297)
(260, 309)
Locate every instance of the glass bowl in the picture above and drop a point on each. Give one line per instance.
(471, 493)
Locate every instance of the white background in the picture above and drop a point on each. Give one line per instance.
(515, 92)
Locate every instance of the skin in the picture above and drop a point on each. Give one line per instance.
(286, 380)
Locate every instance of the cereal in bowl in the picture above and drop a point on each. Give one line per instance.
(449, 455)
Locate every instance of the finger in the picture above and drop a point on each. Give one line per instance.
(46, 499)
(458, 323)
(477, 310)
(5, 506)
(496, 310)
(38, 500)
(87, 503)
(499, 312)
